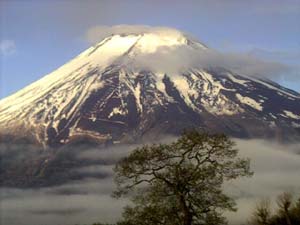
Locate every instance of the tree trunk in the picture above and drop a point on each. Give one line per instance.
(287, 218)
(187, 216)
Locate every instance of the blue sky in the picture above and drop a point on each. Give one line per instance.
(37, 37)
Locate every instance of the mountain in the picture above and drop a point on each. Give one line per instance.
(128, 88)
(110, 94)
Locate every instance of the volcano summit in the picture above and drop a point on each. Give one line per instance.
(124, 88)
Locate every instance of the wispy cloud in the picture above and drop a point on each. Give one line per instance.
(168, 59)
(97, 33)
(7, 47)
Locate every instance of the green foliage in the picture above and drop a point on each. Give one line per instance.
(288, 213)
(180, 183)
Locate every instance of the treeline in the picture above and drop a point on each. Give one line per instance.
(287, 212)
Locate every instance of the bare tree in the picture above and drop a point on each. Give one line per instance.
(262, 213)
(284, 203)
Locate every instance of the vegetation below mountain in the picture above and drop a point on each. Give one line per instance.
(179, 183)
(287, 213)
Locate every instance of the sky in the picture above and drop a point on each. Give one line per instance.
(36, 37)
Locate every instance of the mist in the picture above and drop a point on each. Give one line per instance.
(276, 169)
(173, 60)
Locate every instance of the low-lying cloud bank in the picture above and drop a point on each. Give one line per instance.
(77, 203)
(174, 59)
(276, 170)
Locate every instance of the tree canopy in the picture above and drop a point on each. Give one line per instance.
(180, 183)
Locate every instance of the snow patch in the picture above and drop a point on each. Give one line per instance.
(208, 91)
(272, 124)
(291, 114)
(279, 91)
(238, 81)
(160, 85)
(296, 125)
(93, 118)
(250, 102)
(137, 95)
(186, 92)
(117, 111)
(273, 116)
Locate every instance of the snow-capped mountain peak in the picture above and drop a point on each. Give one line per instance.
(119, 88)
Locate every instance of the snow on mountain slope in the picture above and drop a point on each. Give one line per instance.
(106, 95)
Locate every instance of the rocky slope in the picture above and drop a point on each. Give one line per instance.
(106, 95)
(114, 92)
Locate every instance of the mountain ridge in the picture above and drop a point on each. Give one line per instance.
(107, 94)
(126, 90)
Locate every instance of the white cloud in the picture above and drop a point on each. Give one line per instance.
(97, 33)
(276, 170)
(7, 47)
(171, 60)
(86, 202)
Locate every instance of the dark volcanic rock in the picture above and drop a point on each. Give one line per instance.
(105, 96)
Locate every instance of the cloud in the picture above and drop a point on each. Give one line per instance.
(97, 33)
(7, 47)
(172, 60)
(50, 207)
(276, 170)
(290, 59)
(110, 155)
